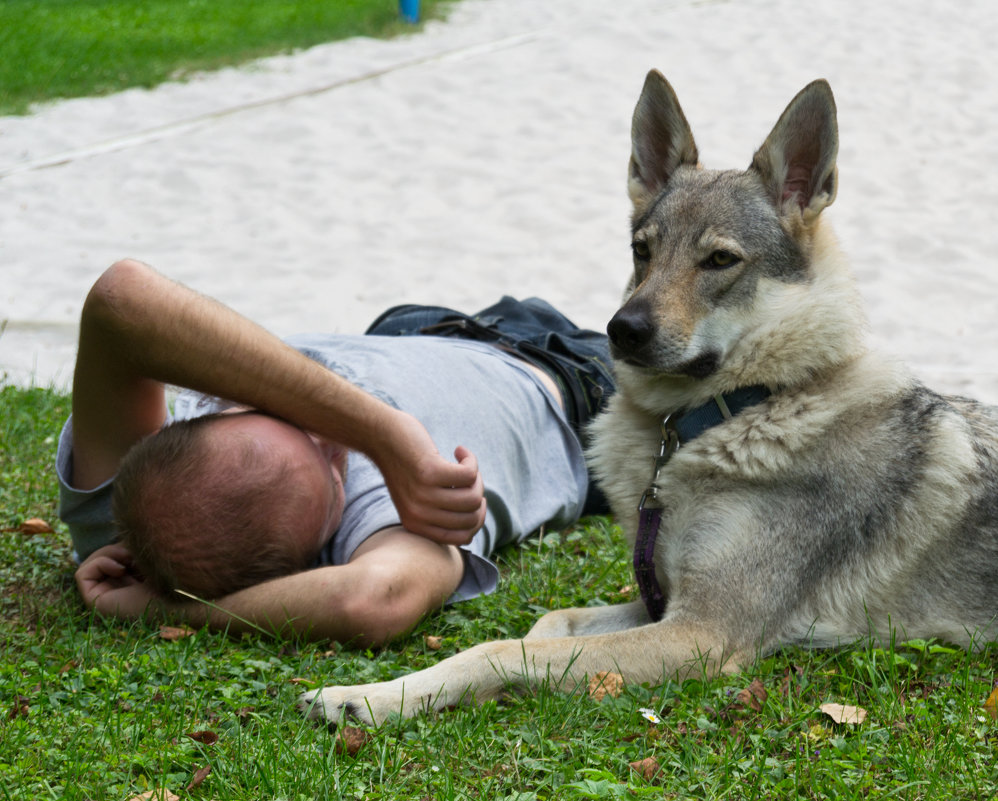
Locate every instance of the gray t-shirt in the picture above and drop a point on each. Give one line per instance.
(464, 393)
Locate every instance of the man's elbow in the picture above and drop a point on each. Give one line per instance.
(392, 605)
(108, 303)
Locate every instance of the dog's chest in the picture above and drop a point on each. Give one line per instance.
(686, 492)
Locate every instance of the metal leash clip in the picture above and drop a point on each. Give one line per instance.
(670, 444)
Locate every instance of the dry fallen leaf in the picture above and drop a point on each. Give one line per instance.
(35, 526)
(172, 633)
(432, 642)
(20, 707)
(605, 683)
(199, 776)
(300, 682)
(991, 705)
(350, 740)
(746, 699)
(843, 713)
(646, 768)
(758, 690)
(791, 681)
(203, 737)
(753, 696)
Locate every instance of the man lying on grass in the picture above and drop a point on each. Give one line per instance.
(298, 485)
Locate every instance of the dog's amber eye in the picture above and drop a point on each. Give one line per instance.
(720, 259)
(641, 251)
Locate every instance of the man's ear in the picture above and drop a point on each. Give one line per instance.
(797, 160)
(661, 141)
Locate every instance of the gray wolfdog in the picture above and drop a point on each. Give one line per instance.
(803, 489)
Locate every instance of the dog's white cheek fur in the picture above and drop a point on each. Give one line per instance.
(793, 331)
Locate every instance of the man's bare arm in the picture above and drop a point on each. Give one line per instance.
(140, 330)
(393, 580)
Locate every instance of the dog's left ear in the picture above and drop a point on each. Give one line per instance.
(797, 160)
(661, 141)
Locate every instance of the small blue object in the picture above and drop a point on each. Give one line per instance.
(409, 9)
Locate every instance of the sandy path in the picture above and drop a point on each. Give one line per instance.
(486, 155)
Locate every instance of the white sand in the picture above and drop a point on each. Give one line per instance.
(486, 155)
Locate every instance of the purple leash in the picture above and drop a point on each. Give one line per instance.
(649, 520)
(644, 563)
(677, 429)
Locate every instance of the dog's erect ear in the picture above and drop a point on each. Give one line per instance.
(797, 160)
(661, 140)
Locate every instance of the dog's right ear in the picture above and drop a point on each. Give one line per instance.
(797, 160)
(661, 141)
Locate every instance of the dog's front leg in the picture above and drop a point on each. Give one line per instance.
(475, 675)
(671, 648)
(589, 620)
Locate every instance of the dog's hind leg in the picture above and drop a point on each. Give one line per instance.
(589, 620)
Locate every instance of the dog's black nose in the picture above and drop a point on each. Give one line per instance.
(630, 329)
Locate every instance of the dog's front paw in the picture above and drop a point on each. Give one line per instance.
(366, 703)
(331, 704)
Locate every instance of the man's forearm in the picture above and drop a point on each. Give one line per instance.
(140, 330)
(337, 603)
(158, 329)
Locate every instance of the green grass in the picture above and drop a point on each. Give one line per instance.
(72, 48)
(100, 710)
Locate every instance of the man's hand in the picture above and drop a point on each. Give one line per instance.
(108, 584)
(441, 500)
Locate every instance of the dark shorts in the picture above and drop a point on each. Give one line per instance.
(576, 359)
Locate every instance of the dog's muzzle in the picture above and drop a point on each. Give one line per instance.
(632, 334)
